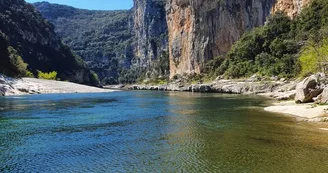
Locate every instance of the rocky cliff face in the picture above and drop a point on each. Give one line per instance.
(115, 44)
(202, 30)
(150, 29)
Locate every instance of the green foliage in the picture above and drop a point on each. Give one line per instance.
(273, 49)
(312, 19)
(28, 37)
(94, 76)
(11, 63)
(47, 76)
(313, 56)
(17, 62)
(211, 67)
(129, 76)
(264, 50)
(29, 74)
(157, 81)
(101, 38)
(106, 40)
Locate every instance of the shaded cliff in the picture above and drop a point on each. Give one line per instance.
(102, 38)
(202, 30)
(120, 46)
(31, 37)
(150, 29)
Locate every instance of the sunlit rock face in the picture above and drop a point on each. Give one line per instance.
(201, 30)
(291, 7)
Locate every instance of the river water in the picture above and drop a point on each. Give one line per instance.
(154, 132)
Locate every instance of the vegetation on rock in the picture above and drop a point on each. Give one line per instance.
(101, 38)
(119, 46)
(27, 38)
(283, 47)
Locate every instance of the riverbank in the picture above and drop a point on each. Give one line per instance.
(279, 90)
(284, 91)
(304, 112)
(11, 86)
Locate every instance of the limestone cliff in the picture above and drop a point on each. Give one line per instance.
(150, 30)
(201, 30)
(115, 44)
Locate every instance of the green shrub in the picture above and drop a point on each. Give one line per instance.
(17, 62)
(29, 74)
(94, 76)
(48, 76)
(313, 55)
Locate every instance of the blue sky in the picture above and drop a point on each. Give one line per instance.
(93, 4)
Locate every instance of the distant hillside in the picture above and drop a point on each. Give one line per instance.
(25, 34)
(102, 38)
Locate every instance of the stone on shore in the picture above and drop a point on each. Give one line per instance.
(323, 97)
(307, 90)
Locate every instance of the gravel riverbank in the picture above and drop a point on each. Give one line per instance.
(10, 86)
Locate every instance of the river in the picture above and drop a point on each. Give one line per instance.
(154, 132)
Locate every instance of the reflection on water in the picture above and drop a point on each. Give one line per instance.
(154, 132)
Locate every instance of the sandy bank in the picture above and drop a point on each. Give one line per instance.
(307, 112)
(11, 86)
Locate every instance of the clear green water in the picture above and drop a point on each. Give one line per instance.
(154, 132)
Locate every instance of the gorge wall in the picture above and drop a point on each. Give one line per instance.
(202, 30)
(150, 28)
(118, 45)
(123, 45)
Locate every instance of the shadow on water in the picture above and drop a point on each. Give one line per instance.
(26, 104)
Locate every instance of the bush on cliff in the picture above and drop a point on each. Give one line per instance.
(267, 50)
(11, 63)
(283, 47)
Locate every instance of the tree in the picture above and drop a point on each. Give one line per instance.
(314, 56)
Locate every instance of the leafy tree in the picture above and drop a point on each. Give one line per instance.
(17, 62)
(314, 56)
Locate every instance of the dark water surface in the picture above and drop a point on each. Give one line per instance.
(154, 132)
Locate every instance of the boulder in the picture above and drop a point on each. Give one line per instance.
(274, 78)
(307, 90)
(254, 78)
(323, 97)
(321, 77)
